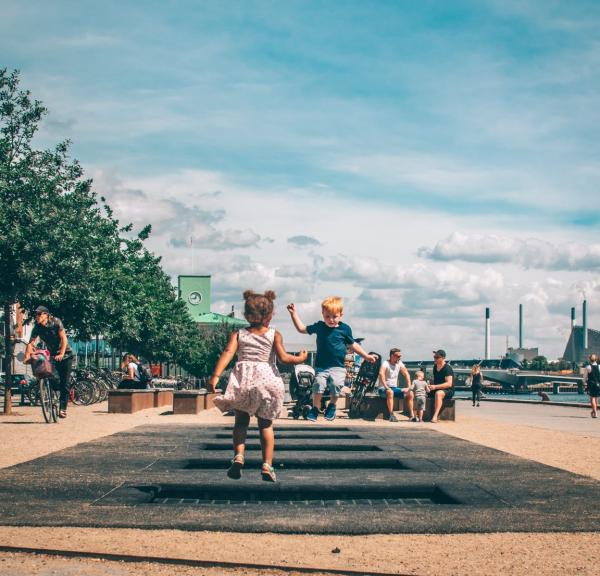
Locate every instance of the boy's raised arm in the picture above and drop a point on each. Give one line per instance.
(296, 319)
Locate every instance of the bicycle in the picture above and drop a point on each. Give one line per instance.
(49, 398)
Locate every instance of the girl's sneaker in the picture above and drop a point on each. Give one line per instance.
(268, 473)
(235, 469)
(313, 414)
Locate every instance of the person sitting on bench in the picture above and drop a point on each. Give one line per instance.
(442, 387)
(388, 384)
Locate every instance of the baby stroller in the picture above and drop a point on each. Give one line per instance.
(366, 379)
(301, 385)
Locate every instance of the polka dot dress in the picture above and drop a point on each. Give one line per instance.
(255, 385)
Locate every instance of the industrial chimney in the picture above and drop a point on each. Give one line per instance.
(487, 333)
(585, 334)
(573, 334)
(520, 326)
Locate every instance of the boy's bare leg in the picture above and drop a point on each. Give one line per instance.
(267, 440)
(317, 396)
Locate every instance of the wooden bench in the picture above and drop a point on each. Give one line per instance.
(192, 401)
(127, 401)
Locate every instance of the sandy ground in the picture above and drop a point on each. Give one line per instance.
(25, 437)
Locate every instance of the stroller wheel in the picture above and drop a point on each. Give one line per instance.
(305, 410)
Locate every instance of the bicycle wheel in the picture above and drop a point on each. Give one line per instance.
(34, 394)
(46, 399)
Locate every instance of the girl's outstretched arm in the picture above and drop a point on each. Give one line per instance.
(223, 361)
(284, 356)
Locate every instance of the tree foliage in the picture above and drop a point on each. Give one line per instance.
(61, 247)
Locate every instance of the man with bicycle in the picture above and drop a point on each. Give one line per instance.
(50, 330)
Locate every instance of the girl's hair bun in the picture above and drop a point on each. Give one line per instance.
(270, 295)
(248, 293)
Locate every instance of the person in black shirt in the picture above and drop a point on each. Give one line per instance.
(476, 383)
(443, 382)
(50, 330)
(592, 381)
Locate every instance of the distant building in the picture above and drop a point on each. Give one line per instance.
(520, 354)
(196, 293)
(574, 350)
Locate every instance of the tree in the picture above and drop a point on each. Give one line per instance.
(539, 363)
(54, 238)
(61, 248)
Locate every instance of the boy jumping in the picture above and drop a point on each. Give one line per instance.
(333, 336)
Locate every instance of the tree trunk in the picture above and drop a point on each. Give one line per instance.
(8, 354)
(97, 351)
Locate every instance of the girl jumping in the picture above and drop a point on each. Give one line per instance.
(255, 386)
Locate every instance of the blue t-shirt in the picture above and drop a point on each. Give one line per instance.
(331, 344)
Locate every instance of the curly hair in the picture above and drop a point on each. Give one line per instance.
(258, 308)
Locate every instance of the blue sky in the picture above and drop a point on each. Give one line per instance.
(436, 158)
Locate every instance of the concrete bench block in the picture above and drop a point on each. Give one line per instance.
(162, 397)
(189, 401)
(209, 400)
(129, 401)
(448, 411)
(374, 408)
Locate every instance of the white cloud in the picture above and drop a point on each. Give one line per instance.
(392, 298)
(528, 253)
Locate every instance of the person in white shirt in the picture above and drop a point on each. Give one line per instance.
(388, 384)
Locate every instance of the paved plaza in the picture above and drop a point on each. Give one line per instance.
(488, 488)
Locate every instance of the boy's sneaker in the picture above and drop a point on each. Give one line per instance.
(414, 419)
(393, 418)
(313, 414)
(330, 412)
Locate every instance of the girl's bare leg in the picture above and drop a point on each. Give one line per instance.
(240, 429)
(267, 440)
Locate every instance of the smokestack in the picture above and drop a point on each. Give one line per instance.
(573, 359)
(585, 334)
(520, 326)
(487, 333)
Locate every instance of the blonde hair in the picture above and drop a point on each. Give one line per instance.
(333, 304)
(593, 357)
(419, 373)
(258, 308)
(475, 368)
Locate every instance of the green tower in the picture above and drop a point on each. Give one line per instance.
(195, 292)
